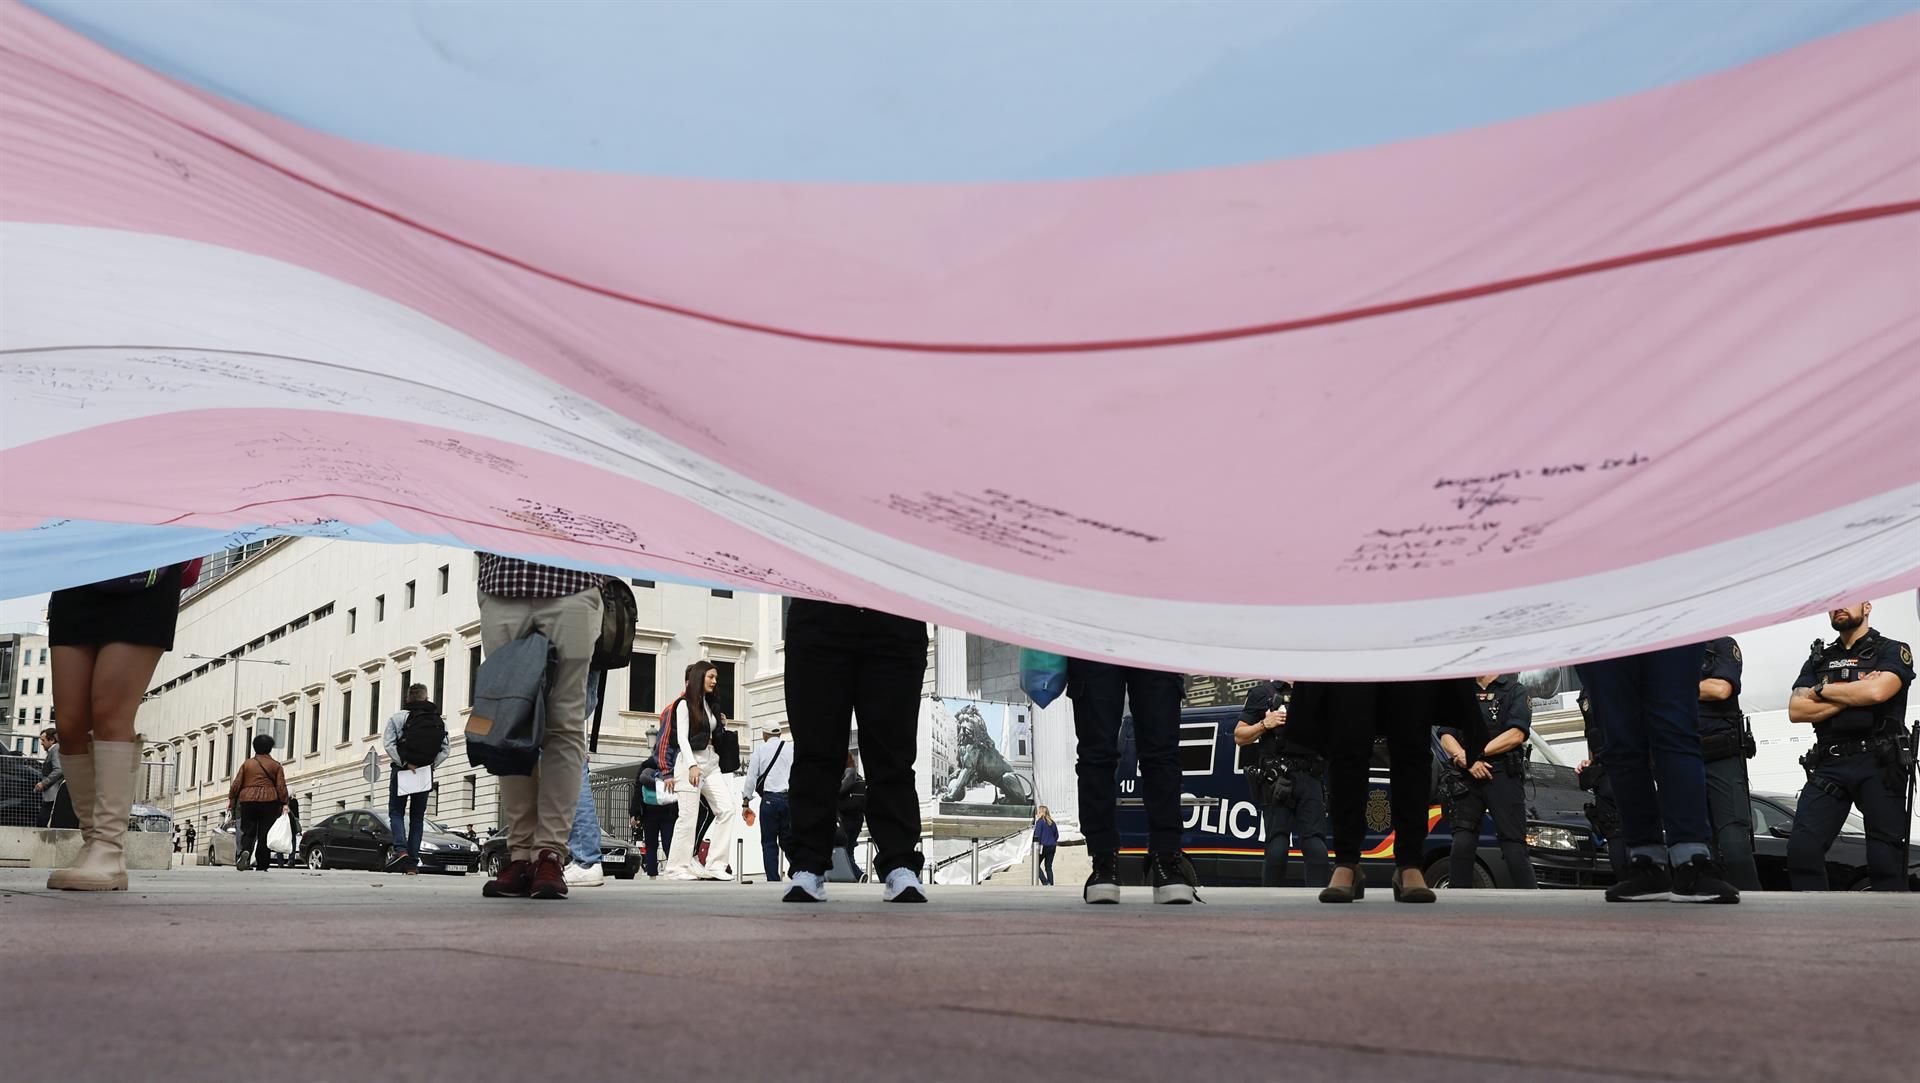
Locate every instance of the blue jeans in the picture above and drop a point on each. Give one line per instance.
(776, 831)
(412, 810)
(1648, 706)
(583, 842)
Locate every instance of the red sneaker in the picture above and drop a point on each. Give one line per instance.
(549, 876)
(514, 881)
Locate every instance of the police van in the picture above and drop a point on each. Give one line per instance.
(1224, 833)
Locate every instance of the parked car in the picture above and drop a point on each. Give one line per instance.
(150, 818)
(1846, 858)
(20, 804)
(1224, 835)
(361, 839)
(618, 858)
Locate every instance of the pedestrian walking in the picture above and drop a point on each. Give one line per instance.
(106, 638)
(658, 815)
(771, 769)
(1046, 837)
(692, 768)
(55, 809)
(258, 796)
(192, 837)
(415, 736)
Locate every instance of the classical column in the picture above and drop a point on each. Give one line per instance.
(949, 662)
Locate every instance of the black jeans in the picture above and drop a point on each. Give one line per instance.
(1504, 797)
(1304, 825)
(1101, 694)
(1046, 866)
(1404, 713)
(656, 833)
(842, 661)
(1838, 784)
(256, 819)
(1730, 810)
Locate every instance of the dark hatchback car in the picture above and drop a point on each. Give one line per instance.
(361, 839)
(618, 859)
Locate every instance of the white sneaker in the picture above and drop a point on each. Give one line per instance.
(806, 887)
(903, 886)
(583, 875)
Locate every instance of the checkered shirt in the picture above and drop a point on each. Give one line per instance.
(511, 577)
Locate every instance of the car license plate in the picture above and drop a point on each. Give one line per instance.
(614, 857)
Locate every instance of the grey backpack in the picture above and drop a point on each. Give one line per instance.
(509, 720)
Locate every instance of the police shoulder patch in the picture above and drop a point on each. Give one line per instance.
(1736, 652)
(1906, 655)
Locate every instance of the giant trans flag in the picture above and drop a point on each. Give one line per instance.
(1318, 339)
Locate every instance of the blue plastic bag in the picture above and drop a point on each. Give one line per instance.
(1043, 676)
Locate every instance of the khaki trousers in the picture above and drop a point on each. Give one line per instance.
(539, 807)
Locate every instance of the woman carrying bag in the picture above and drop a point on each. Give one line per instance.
(259, 792)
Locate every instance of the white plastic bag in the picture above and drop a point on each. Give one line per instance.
(280, 837)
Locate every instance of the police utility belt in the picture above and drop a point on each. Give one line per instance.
(1836, 750)
(1272, 780)
(1728, 742)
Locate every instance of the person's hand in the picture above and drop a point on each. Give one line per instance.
(1275, 718)
(693, 776)
(39, 787)
(1481, 771)
(746, 816)
(1584, 764)
(1460, 760)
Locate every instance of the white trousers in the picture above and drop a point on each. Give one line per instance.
(723, 797)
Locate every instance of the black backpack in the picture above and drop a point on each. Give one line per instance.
(422, 735)
(619, 612)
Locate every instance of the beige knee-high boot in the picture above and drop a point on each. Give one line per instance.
(102, 865)
(78, 768)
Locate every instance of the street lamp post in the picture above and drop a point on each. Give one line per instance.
(235, 712)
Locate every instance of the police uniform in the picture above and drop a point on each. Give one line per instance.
(1725, 748)
(1298, 817)
(1855, 761)
(1603, 812)
(1503, 706)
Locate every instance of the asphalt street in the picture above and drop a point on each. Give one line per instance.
(289, 975)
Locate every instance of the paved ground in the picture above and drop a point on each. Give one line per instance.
(215, 974)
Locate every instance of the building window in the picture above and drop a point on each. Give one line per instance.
(473, 793)
(313, 729)
(446, 577)
(43, 656)
(36, 716)
(473, 673)
(379, 608)
(353, 621)
(406, 685)
(346, 715)
(373, 708)
(642, 695)
(229, 752)
(26, 685)
(722, 594)
(193, 771)
(643, 584)
(410, 593)
(723, 688)
(293, 725)
(210, 759)
(40, 686)
(439, 680)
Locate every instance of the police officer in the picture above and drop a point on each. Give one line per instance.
(1853, 691)
(1725, 745)
(1603, 812)
(1489, 762)
(1288, 781)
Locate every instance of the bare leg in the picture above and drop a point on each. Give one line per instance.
(121, 673)
(73, 698)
